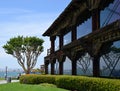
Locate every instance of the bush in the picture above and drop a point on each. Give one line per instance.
(37, 79)
(78, 83)
(88, 84)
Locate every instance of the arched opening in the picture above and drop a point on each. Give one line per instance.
(84, 65)
(110, 61)
(67, 66)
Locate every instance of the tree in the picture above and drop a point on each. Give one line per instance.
(84, 62)
(111, 59)
(37, 70)
(26, 50)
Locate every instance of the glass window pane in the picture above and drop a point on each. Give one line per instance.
(57, 43)
(110, 13)
(67, 38)
(84, 29)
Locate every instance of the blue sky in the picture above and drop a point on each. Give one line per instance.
(27, 18)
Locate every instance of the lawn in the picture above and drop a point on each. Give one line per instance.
(25, 87)
(2, 78)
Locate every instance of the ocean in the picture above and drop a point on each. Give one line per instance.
(9, 74)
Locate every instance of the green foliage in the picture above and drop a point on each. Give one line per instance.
(78, 83)
(37, 79)
(115, 49)
(88, 84)
(26, 50)
(21, 44)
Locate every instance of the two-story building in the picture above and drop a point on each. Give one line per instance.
(85, 26)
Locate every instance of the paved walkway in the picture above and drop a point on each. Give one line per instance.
(4, 81)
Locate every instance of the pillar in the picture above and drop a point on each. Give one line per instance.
(74, 62)
(52, 39)
(96, 26)
(95, 19)
(74, 67)
(53, 66)
(61, 68)
(74, 35)
(96, 66)
(61, 60)
(46, 68)
(60, 41)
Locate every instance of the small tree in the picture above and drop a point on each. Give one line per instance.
(84, 63)
(111, 59)
(26, 50)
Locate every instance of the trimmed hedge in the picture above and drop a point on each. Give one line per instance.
(37, 79)
(88, 84)
(78, 83)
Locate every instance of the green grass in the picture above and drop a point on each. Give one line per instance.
(25, 87)
(2, 78)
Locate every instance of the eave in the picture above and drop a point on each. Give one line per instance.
(76, 13)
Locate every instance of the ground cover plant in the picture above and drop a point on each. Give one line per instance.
(26, 87)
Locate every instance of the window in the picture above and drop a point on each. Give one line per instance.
(67, 38)
(84, 28)
(57, 43)
(110, 13)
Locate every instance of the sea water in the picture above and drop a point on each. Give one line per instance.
(9, 74)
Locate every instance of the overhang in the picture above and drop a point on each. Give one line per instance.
(74, 14)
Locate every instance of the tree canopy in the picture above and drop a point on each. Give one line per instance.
(26, 50)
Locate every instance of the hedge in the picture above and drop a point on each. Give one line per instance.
(37, 79)
(78, 83)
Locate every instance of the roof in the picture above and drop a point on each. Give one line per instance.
(74, 14)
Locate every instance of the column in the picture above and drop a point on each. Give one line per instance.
(95, 26)
(61, 68)
(53, 66)
(46, 68)
(61, 60)
(74, 66)
(74, 35)
(96, 66)
(60, 41)
(52, 39)
(95, 19)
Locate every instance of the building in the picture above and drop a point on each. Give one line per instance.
(85, 26)
(42, 68)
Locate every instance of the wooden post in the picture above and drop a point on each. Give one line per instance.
(61, 68)
(96, 66)
(74, 66)
(46, 67)
(95, 19)
(60, 41)
(95, 26)
(52, 39)
(53, 66)
(74, 35)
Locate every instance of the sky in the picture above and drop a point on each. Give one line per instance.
(27, 18)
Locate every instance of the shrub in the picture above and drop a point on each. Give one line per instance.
(78, 83)
(88, 83)
(37, 79)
